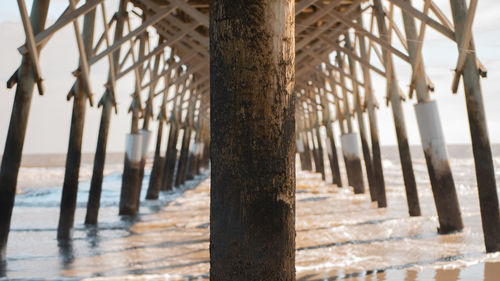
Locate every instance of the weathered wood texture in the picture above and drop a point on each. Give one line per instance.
(94, 200)
(107, 102)
(485, 172)
(436, 156)
(73, 157)
(11, 158)
(252, 211)
(158, 162)
(399, 122)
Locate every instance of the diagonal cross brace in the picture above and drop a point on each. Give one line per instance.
(30, 41)
(464, 44)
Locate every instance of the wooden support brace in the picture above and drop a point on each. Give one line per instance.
(464, 45)
(359, 29)
(150, 21)
(65, 19)
(302, 5)
(197, 15)
(84, 67)
(112, 72)
(418, 59)
(424, 18)
(32, 49)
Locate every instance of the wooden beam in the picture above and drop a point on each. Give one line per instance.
(158, 49)
(424, 18)
(30, 41)
(66, 18)
(152, 20)
(360, 29)
(194, 13)
(464, 44)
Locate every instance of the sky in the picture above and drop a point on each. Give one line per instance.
(50, 116)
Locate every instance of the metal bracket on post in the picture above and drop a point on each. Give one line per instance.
(30, 42)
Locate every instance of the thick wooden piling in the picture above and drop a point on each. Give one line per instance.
(370, 102)
(252, 207)
(155, 180)
(321, 160)
(171, 153)
(107, 102)
(302, 144)
(393, 93)
(180, 176)
(312, 141)
(94, 200)
(11, 158)
(134, 156)
(307, 150)
(73, 157)
(485, 172)
(350, 145)
(130, 189)
(170, 156)
(192, 163)
(330, 142)
(158, 162)
(361, 123)
(148, 116)
(431, 134)
(340, 119)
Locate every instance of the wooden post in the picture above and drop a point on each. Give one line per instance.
(312, 138)
(398, 116)
(192, 156)
(252, 206)
(361, 121)
(301, 145)
(206, 148)
(131, 181)
(431, 134)
(73, 157)
(485, 172)
(321, 161)
(11, 158)
(370, 102)
(339, 115)
(148, 116)
(171, 153)
(350, 145)
(93, 202)
(159, 162)
(330, 142)
(107, 102)
(180, 177)
(303, 133)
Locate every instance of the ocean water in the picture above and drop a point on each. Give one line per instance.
(340, 236)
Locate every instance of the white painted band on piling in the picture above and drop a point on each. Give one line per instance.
(199, 148)
(431, 134)
(133, 147)
(329, 146)
(350, 145)
(300, 146)
(192, 148)
(146, 139)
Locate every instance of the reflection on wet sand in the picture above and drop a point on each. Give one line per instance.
(340, 236)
